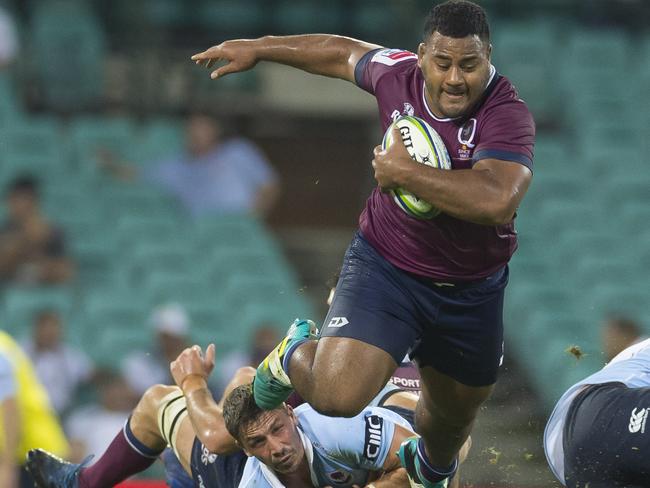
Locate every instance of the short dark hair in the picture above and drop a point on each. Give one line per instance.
(457, 19)
(23, 184)
(239, 409)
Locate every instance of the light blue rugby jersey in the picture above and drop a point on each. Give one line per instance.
(631, 367)
(341, 451)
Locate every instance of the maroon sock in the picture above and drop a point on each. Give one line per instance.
(125, 457)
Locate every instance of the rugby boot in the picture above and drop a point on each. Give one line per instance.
(50, 471)
(411, 462)
(272, 385)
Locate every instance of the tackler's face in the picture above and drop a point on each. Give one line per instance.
(273, 438)
(456, 72)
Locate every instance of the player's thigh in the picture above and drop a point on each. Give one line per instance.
(605, 436)
(184, 443)
(464, 340)
(371, 323)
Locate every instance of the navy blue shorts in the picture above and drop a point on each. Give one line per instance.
(458, 330)
(211, 470)
(606, 439)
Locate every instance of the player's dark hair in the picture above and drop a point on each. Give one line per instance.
(457, 19)
(240, 409)
(23, 184)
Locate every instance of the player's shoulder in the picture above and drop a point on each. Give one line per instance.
(502, 93)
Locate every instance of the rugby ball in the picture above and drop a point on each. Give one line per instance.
(425, 147)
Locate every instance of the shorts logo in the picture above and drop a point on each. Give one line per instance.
(638, 420)
(338, 322)
(374, 434)
(207, 457)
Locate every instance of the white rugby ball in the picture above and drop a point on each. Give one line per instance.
(425, 146)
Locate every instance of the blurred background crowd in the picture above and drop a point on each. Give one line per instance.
(146, 207)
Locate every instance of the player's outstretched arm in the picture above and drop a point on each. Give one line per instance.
(321, 54)
(190, 371)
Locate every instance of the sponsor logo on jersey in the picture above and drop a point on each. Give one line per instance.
(466, 135)
(408, 383)
(638, 420)
(390, 57)
(338, 322)
(200, 480)
(374, 434)
(207, 457)
(408, 109)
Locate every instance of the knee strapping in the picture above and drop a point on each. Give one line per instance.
(172, 411)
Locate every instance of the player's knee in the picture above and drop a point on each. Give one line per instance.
(244, 375)
(151, 400)
(339, 404)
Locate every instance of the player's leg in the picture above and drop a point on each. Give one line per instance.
(368, 330)
(159, 418)
(604, 437)
(459, 357)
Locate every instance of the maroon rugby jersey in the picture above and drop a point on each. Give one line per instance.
(501, 127)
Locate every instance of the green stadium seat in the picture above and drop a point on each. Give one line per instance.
(240, 17)
(597, 50)
(103, 343)
(303, 16)
(88, 135)
(20, 304)
(67, 57)
(183, 287)
(160, 140)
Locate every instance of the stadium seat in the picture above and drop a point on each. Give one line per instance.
(301, 16)
(67, 57)
(239, 17)
(89, 135)
(19, 304)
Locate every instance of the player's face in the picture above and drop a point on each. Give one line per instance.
(273, 439)
(456, 72)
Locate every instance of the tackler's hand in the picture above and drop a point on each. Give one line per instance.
(238, 55)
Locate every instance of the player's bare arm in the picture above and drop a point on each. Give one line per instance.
(487, 194)
(190, 371)
(321, 54)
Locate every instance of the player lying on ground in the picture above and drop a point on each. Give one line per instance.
(433, 287)
(596, 436)
(281, 447)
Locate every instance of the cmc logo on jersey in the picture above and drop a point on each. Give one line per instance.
(374, 434)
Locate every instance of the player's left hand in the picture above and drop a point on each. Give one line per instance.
(192, 362)
(390, 164)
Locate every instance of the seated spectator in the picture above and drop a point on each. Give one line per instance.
(143, 369)
(27, 419)
(212, 175)
(60, 367)
(619, 332)
(32, 250)
(91, 428)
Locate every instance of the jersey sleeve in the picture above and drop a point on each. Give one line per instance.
(508, 134)
(376, 64)
(362, 441)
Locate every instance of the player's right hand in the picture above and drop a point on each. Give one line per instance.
(191, 362)
(239, 55)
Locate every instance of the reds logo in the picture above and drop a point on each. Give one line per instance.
(466, 136)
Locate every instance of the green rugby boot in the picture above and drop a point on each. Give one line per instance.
(272, 385)
(408, 456)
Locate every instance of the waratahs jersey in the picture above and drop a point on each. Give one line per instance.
(631, 367)
(341, 452)
(500, 127)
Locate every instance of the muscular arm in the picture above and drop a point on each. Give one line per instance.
(487, 194)
(321, 54)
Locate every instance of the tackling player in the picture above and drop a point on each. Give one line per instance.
(595, 437)
(432, 287)
(287, 447)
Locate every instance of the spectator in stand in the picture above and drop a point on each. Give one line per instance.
(8, 39)
(620, 332)
(60, 367)
(27, 419)
(91, 428)
(213, 175)
(143, 369)
(32, 250)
